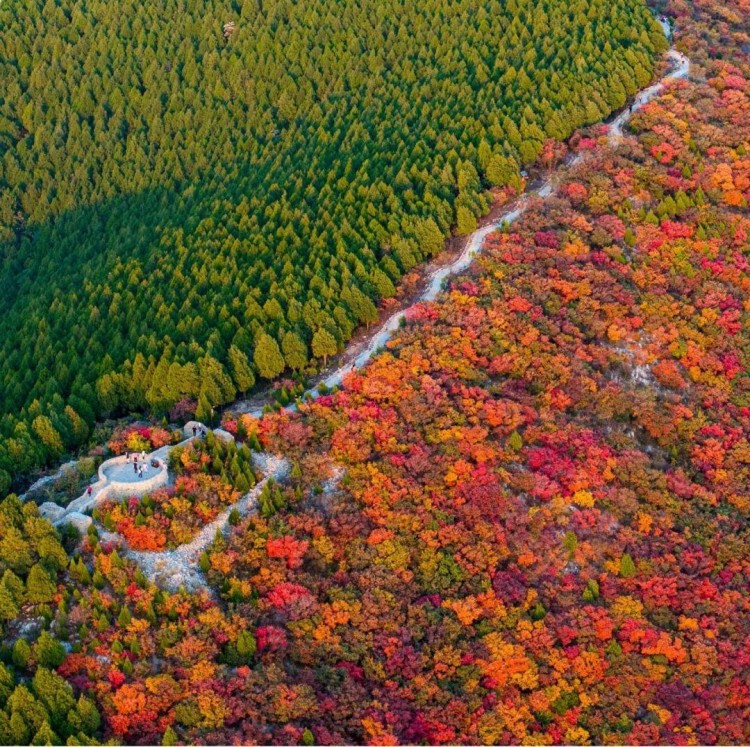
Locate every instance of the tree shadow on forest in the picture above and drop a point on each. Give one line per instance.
(86, 243)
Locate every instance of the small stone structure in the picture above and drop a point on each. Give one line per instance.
(117, 479)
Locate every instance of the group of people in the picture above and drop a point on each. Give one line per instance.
(140, 466)
(199, 429)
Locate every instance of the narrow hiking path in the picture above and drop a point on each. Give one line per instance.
(173, 568)
(180, 567)
(680, 69)
(360, 353)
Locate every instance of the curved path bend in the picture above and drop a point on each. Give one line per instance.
(359, 355)
(179, 567)
(680, 69)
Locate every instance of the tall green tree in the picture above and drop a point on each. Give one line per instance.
(242, 373)
(39, 586)
(466, 223)
(323, 345)
(268, 357)
(295, 351)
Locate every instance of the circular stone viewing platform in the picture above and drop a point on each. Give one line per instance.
(117, 479)
(123, 479)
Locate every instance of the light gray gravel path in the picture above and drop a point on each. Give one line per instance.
(360, 354)
(179, 567)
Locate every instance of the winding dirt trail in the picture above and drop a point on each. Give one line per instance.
(173, 568)
(180, 567)
(359, 354)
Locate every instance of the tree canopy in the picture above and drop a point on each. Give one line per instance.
(176, 191)
(524, 522)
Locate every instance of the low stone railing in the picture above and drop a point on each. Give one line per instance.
(113, 462)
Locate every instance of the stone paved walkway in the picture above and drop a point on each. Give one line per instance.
(179, 567)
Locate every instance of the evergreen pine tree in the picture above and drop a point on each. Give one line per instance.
(627, 566)
(242, 373)
(295, 351)
(323, 345)
(267, 357)
(8, 606)
(39, 586)
(246, 646)
(45, 736)
(21, 653)
(48, 652)
(124, 618)
(466, 223)
(19, 729)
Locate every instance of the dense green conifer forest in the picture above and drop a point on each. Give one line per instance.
(187, 207)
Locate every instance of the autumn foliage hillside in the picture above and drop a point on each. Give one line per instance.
(542, 534)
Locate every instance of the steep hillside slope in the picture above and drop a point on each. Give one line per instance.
(526, 522)
(189, 206)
